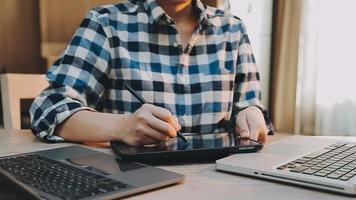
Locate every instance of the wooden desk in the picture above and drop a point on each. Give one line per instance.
(202, 180)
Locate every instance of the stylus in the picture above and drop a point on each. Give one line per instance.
(143, 101)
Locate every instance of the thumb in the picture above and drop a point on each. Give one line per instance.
(242, 127)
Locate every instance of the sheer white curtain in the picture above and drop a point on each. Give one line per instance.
(326, 88)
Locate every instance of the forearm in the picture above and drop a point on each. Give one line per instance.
(88, 126)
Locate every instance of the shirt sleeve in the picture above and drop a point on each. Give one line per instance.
(247, 90)
(77, 79)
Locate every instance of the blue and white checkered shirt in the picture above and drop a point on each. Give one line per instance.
(205, 84)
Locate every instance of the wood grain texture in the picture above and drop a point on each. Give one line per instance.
(59, 19)
(19, 36)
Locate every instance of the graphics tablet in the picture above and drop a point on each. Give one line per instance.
(200, 147)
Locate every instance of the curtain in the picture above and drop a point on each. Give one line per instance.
(285, 48)
(326, 100)
(313, 64)
(305, 106)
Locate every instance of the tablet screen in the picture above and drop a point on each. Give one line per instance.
(196, 142)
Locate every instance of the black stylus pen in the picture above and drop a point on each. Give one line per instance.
(143, 101)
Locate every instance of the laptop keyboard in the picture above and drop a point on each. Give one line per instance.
(337, 161)
(58, 179)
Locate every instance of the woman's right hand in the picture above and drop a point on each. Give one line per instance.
(148, 125)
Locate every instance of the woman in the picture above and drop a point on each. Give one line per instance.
(193, 63)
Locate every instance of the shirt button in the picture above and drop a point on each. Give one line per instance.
(175, 44)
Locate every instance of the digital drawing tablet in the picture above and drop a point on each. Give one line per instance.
(201, 147)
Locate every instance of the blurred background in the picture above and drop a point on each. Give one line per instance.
(304, 50)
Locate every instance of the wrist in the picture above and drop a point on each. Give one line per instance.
(119, 125)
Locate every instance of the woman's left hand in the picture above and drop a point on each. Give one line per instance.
(251, 124)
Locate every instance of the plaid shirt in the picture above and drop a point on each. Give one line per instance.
(205, 84)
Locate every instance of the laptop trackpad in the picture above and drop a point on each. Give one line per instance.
(103, 164)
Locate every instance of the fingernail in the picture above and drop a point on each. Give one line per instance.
(179, 126)
(177, 123)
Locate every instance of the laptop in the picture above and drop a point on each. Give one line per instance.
(77, 172)
(308, 161)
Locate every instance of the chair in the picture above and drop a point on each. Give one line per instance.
(51, 51)
(15, 87)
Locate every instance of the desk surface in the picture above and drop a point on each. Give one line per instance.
(202, 180)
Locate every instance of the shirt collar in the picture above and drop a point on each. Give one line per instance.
(154, 11)
(200, 8)
(156, 14)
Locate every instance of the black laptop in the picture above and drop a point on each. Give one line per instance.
(76, 172)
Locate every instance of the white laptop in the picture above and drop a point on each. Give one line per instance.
(303, 160)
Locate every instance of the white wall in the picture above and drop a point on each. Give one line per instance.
(257, 15)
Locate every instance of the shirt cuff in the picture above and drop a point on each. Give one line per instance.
(44, 127)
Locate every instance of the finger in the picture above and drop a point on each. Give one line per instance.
(177, 122)
(245, 142)
(156, 135)
(166, 116)
(262, 138)
(254, 129)
(162, 127)
(256, 122)
(242, 126)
